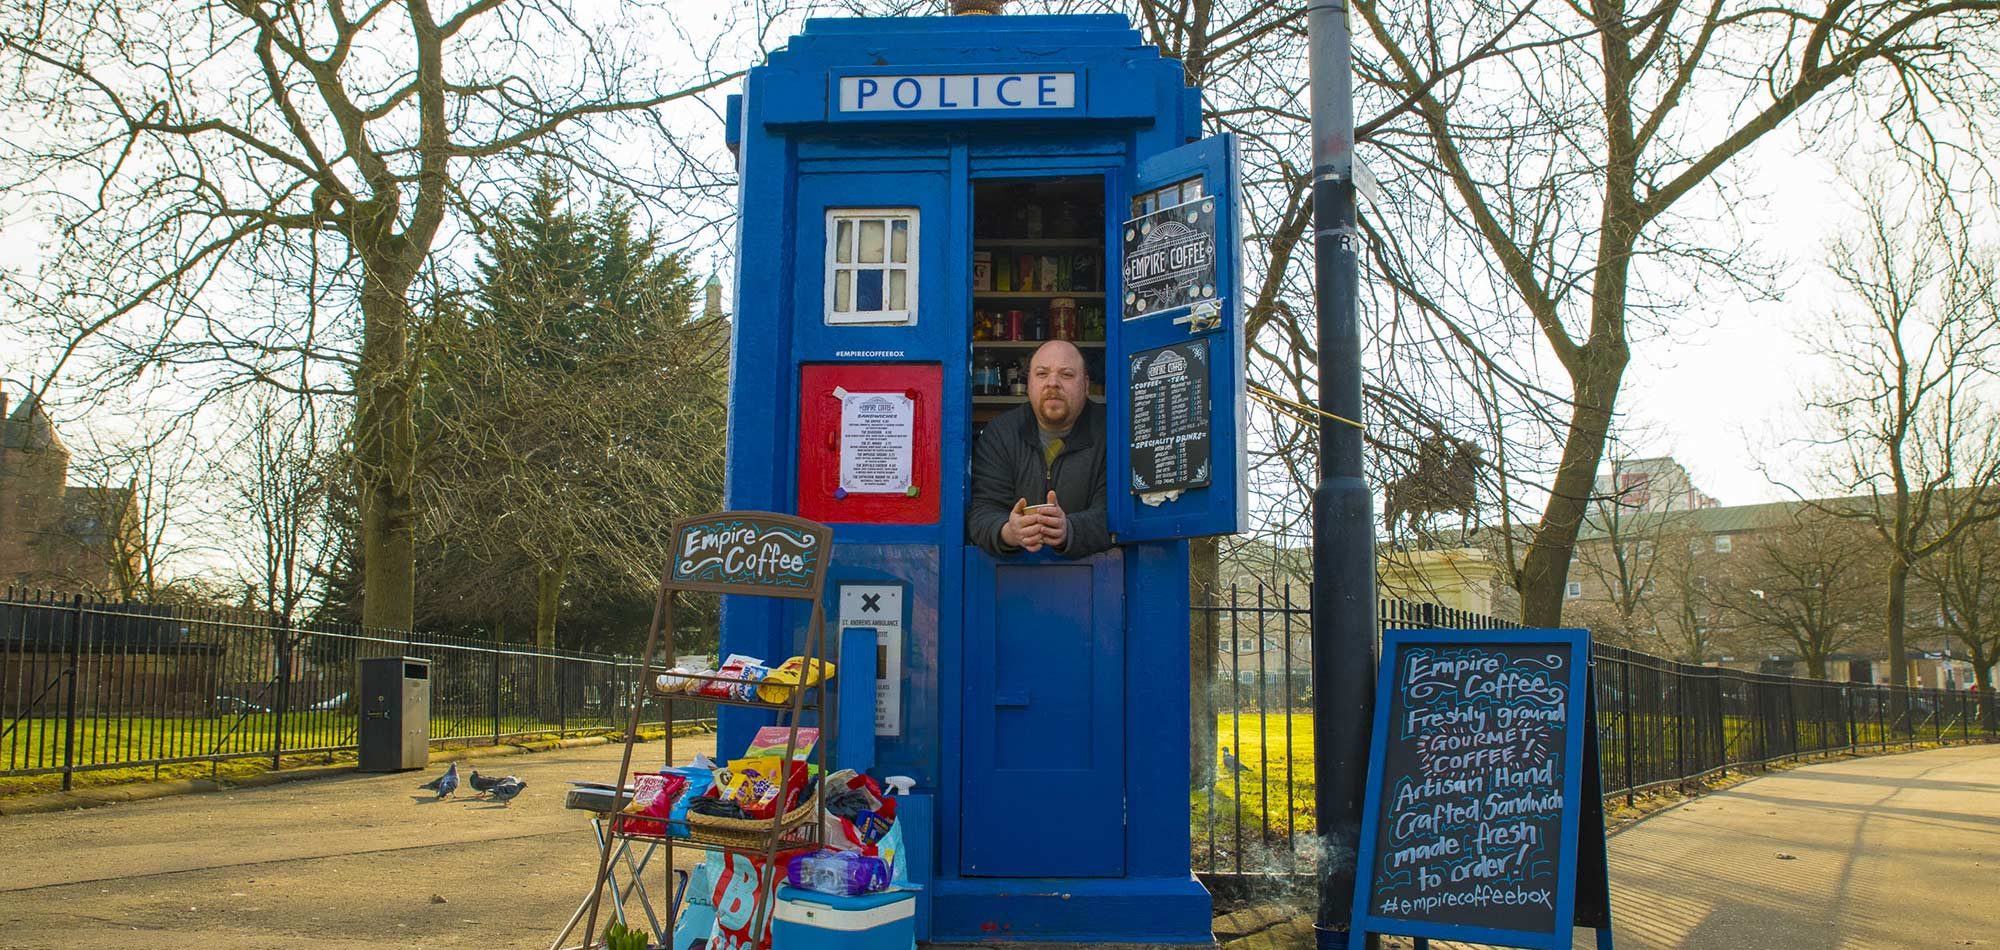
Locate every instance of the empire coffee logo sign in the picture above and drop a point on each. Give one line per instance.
(1170, 258)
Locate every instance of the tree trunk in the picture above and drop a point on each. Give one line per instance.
(1204, 575)
(1899, 662)
(548, 594)
(1816, 666)
(385, 456)
(1545, 569)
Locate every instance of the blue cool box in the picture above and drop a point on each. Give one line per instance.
(806, 920)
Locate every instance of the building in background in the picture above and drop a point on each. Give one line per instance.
(74, 538)
(1651, 484)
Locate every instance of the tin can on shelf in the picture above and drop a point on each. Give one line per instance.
(1046, 273)
(982, 270)
(1025, 277)
(1017, 325)
(1062, 319)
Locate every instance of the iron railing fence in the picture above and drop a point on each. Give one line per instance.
(1659, 723)
(86, 684)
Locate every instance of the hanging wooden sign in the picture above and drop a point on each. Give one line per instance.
(749, 552)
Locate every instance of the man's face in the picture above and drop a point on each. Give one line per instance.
(1057, 384)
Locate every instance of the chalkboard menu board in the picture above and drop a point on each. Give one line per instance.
(1170, 418)
(1479, 773)
(749, 552)
(1170, 258)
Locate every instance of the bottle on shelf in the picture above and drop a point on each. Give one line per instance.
(1017, 379)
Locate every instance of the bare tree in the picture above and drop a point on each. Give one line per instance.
(1545, 208)
(1903, 424)
(276, 479)
(1964, 577)
(134, 497)
(191, 151)
(1810, 584)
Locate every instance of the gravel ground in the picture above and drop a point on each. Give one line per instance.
(344, 863)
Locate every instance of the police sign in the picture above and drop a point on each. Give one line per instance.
(958, 92)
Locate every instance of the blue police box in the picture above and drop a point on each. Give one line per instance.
(923, 200)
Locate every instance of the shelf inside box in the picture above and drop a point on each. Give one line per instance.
(1007, 243)
(1017, 400)
(1035, 294)
(1031, 344)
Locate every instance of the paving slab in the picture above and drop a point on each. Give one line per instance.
(1877, 853)
(347, 862)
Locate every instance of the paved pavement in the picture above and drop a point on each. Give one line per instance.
(1880, 853)
(1883, 853)
(354, 862)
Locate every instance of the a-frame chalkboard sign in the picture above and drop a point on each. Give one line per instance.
(1484, 816)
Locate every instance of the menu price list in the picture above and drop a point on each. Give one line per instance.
(1470, 830)
(1170, 418)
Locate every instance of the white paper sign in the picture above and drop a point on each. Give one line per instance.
(878, 434)
(961, 92)
(880, 606)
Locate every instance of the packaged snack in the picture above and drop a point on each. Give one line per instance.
(846, 873)
(737, 679)
(770, 740)
(653, 798)
(777, 686)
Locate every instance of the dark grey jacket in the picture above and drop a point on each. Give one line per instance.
(1007, 466)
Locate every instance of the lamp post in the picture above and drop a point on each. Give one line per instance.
(1343, 607)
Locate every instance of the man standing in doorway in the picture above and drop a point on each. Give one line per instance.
(1038, 469)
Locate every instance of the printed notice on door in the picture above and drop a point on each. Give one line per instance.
(877, 442)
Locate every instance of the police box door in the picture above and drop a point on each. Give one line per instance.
(1174, 376)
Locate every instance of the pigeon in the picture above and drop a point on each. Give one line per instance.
(505, 790)
(1230, 764)
(444, 784)
(482, 785)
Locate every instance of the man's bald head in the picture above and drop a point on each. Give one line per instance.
(1058, 384)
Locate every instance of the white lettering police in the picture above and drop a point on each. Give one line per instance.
(963, 92)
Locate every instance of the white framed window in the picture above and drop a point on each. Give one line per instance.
(871, 265)
(1723, 543)
(1575, 589)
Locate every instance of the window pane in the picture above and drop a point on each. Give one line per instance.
(868, 283)
(843, 293)
(899, 242)
(843, 241)
(1191, 189)
(899, 290)
(871, 242)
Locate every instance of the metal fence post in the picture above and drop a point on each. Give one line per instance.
(496, 694)
(281, 631)
(1625, 705)
(562, 700)
(69, 691)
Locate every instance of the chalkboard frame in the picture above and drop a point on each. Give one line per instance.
(1574, 787)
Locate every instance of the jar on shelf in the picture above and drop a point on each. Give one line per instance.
(1063, 319)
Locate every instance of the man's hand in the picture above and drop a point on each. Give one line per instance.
(1024, 529)
(1055, 523)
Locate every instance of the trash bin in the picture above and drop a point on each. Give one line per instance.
(395, 729)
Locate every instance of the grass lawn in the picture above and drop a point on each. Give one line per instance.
(103, 744)
(1276, 791)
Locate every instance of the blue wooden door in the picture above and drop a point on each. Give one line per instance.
(1044, 775)
(1174, 376)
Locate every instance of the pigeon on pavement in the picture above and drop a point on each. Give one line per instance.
(444, 784)
(507, 788)
(484, 784)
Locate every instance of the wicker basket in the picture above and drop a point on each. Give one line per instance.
(748, 832)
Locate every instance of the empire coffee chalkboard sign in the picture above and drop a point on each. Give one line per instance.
(749, 552)
(1482, 791)
(1170, 418)
(1170, 258)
